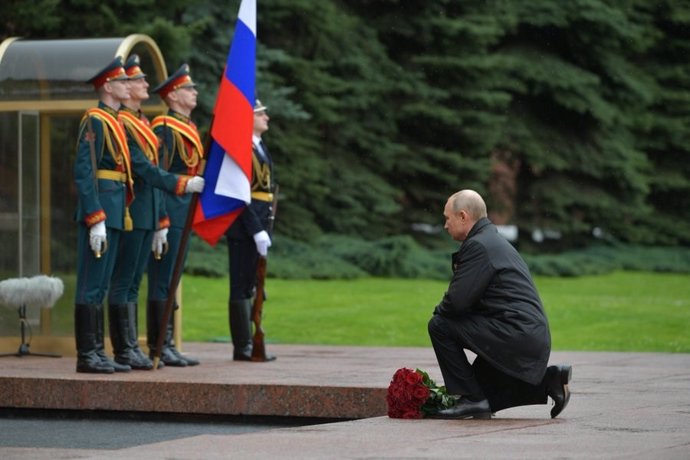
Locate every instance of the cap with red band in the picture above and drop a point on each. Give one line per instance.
(180, 79)
(112, 72)
(133, 67)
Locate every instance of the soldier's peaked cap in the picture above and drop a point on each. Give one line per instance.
(259, 107)
(180, 79)
(133, 67)
(112, 72)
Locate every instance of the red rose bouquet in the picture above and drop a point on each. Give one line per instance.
(413, 394)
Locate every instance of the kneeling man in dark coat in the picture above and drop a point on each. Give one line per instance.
(492, 308)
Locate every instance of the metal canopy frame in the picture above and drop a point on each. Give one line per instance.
(49, 76)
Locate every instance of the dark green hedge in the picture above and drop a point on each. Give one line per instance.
(341, 257)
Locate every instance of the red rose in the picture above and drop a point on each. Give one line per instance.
(421, 393)
(400, 375)
(408, 392)
(413, 378)
(394, 412)
(397, 391)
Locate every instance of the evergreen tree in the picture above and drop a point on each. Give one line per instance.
(663, 130)
(333, 163)
(569, 116)
(547, 87)
(576, 99)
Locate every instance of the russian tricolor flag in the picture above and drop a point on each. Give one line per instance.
(229, 160)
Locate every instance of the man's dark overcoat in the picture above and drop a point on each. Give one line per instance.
(495, 307)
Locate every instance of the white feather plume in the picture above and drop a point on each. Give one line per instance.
(38, 291)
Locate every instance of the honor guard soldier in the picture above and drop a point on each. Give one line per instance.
(103, 179)
(248, 238)
(180, 151)
(150, 224)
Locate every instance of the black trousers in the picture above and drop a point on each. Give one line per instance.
(242, 259)
(479, 379)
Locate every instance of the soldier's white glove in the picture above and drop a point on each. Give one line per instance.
(159, 243)
(263, 242)
(195, 185)
(97, 238)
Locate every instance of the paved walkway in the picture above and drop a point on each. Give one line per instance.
(623, 405)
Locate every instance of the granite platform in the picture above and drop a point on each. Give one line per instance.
(624, 405)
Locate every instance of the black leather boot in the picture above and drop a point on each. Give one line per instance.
(241, 329)
(170, 341)
(85, 334)
(100, 348)
(143, 361)
(154, 319)
(123, 335)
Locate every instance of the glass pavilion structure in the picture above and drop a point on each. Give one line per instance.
(43, 95)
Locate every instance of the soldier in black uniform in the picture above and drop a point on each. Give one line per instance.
(248, 238)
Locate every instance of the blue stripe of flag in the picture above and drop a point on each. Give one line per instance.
(240, 66)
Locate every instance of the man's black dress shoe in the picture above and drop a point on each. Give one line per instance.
(557, 387)
(245, 357)
(465, 409)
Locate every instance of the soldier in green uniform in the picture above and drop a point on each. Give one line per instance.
(103, 179)
(148, 220)
(180, 151)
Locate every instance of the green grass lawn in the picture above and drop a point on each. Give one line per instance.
(622, 311)
(625, 311)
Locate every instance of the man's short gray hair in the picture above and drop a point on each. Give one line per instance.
(469, 201)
